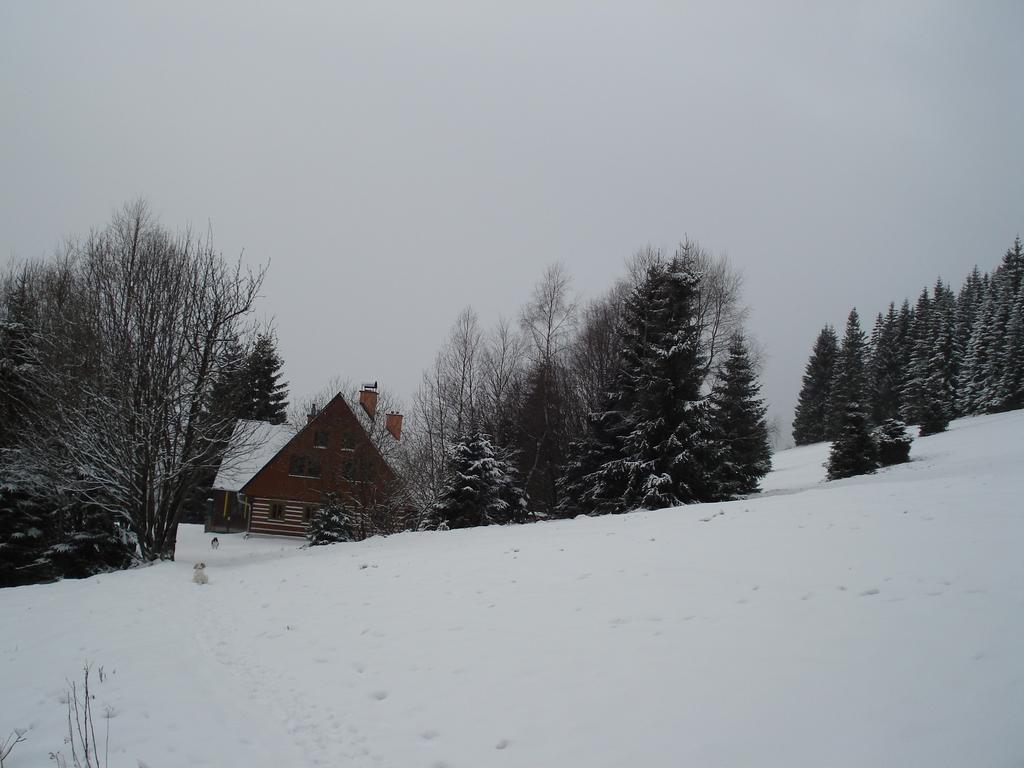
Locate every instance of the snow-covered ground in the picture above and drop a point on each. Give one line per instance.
(874, 621)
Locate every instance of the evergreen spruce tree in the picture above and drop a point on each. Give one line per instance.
(921, 345)
(886, 368)
(969, 303)
(650, 447)
(482, 488)
(25, 537)
(812, 411)
(1006, 285)
(597, 471)
(938, 394)
(330, 523)
(892, 442)
(904, 343)
(738, 430)
(26, 526)
(88, 540)
(1011, 383)
(588, 486)
(232, 391)
(663, 458)
(977, 370)
(267, 398)
(853, 451)
(19, 359)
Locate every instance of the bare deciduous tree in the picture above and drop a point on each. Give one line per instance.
(445, 407)
(720, 308)
(548, 321)
(501, 381)
(137, 320)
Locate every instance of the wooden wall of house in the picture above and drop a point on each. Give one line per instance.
(292, 522)
(348, 464)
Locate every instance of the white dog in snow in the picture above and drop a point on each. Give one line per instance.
(199, 574)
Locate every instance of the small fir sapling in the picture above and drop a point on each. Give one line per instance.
(892, 442)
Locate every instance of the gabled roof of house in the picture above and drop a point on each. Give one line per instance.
(265, 457)
(252, 445)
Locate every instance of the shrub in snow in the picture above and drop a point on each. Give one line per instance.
(81, 738)
(892, 442)
(330, 523)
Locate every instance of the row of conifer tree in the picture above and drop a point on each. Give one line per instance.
(952, 354)
(668, 427)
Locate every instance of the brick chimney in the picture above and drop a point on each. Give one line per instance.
(368, 399)
(393, 424)
(312, 413)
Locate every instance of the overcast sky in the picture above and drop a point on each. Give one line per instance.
(397, 161)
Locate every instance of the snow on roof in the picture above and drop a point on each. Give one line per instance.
(252, 445)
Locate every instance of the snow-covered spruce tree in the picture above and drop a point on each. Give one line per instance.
(904, 331)
(482, 488)
(25, 536)
(591, 483)
(91, 539)
(812, 417)
(330, 523)
(886, 367)
(737, 427)
(1008, 280)
(1011, 384)
(663, 457)
(983, 372)
(978, 368)
(939, 387)
(267, 395)
(892, 442)
(598, 469)
(969, 303)
(19, 356)
(921, 345)
(853, 451)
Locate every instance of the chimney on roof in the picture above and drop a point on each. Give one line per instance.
(312, 413)
(368, 399)
(393, 424)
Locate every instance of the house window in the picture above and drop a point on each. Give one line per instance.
(349, 469)
(304, 466)
(276, 510)
(307, 512)
(320, 438)
(348, 441)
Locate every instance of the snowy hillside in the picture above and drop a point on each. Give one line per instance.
(873, 621)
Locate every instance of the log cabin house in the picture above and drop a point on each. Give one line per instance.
(276, 477)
